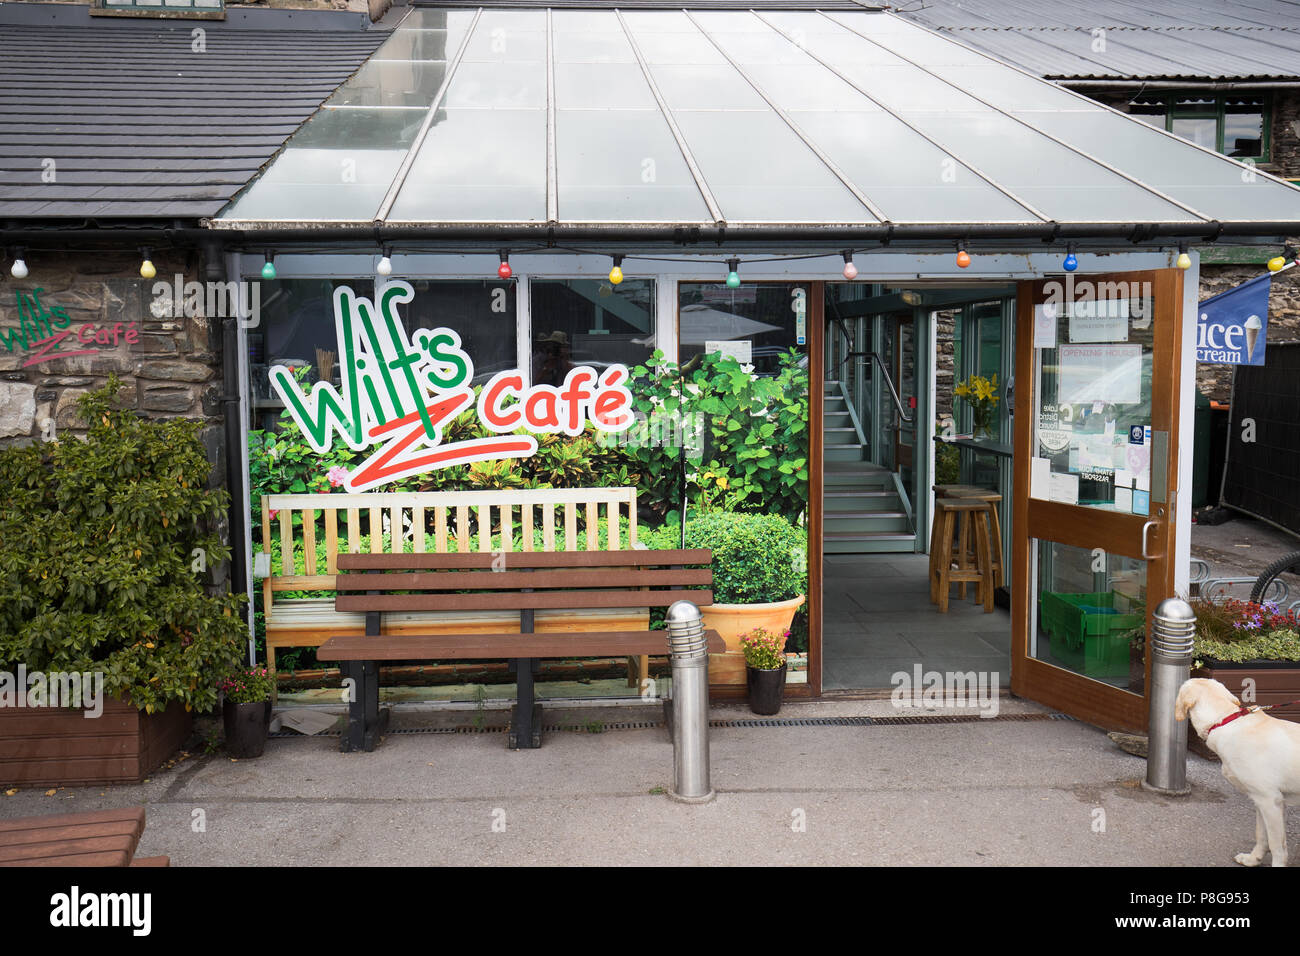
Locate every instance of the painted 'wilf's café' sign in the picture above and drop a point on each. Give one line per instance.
(46, 333)
(398, 392)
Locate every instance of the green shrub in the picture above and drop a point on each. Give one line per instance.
(1280, 645)
(105, 550)
(757, 559)
(756, 435)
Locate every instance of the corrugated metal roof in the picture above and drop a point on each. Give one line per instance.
(1150, 40)
(128, 118)
(702, 119)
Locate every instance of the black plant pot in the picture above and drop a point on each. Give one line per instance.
(246, 727)
(766, 689)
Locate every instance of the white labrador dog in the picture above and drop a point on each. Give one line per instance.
(1260, 755)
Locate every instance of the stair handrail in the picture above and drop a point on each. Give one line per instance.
(884, 369)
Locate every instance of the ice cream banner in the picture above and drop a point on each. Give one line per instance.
(1231, 326)
(399, 390)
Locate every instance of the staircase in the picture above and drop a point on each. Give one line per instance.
(863, 509)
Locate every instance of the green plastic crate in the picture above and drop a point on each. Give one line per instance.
(1088, 633)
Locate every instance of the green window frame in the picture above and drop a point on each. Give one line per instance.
(183, 9)
(1151, 107)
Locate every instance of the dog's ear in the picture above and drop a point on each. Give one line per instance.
(1185, 701)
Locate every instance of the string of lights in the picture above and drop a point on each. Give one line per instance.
(20, 268)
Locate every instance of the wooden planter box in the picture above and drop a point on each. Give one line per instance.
(47, 746)
(1276, 682)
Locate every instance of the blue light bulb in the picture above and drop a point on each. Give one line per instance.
(1070, 263)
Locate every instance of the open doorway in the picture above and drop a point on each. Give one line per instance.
(895, 435)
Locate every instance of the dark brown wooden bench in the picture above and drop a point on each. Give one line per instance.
(99, 838)
(528, 582)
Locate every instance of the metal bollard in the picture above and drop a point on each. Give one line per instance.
(690, 704)
(1171, 663)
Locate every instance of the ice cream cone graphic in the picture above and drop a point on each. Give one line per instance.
(1252, 326)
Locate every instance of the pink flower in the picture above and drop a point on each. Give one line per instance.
(337, 475)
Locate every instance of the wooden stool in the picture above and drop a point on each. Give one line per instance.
(992, 499)
(949, 513)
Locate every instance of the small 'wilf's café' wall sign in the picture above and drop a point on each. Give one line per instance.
(398, 391)
(46, 334)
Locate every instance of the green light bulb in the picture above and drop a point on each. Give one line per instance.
(733, 279)
(268, 270)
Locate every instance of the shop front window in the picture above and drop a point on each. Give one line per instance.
(296, 328)
(590, 322)
(714, 450)
(756, 323)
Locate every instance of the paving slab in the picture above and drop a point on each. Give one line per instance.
(986, 792)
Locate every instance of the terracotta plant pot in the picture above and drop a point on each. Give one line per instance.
(247, 726)
(766, 689)
(732, 621)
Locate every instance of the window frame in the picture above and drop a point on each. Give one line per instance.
(1169, 98)
(158, 11)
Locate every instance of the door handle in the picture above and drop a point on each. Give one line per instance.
(1146, 532)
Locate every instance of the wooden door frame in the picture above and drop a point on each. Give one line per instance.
(1090, 700)
(816, 440)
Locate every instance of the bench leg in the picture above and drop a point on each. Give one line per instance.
(365, 720)
(270, 666)
(526, 716)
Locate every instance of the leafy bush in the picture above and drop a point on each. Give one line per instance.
(757, 559)
(100, 545)
(756, 434)
(1280, 645)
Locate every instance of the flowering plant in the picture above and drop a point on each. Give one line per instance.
(982, 395)
(764, 650)
(1242, 631)
(247, 686)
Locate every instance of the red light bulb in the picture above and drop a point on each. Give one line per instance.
(504, 270)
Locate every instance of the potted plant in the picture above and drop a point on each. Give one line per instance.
(1253, 649)
(108, 546)
(981, 394)
(765, 669)
(246, 711)
(760, 576)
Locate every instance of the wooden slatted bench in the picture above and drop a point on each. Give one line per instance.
(530, 582)
(99, 838)
(315, 529)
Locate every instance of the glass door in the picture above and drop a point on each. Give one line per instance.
(1097, 370)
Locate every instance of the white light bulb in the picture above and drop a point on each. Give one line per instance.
(19, 269)
(385, 266)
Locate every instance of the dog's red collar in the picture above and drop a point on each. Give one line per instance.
(1229, 719)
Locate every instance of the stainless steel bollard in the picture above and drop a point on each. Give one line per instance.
(1171, 664)
(690, 704)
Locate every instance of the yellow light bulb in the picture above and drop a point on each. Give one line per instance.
(616, 275)
(1184, 261)
(1276, 264)
(147, 271)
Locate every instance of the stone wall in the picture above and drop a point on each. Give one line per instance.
(944, 372)
(97, 304)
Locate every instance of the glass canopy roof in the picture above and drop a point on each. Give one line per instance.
(690, 117)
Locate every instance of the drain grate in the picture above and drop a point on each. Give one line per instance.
(902, 719)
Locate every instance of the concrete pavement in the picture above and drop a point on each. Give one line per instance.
(991, 792)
